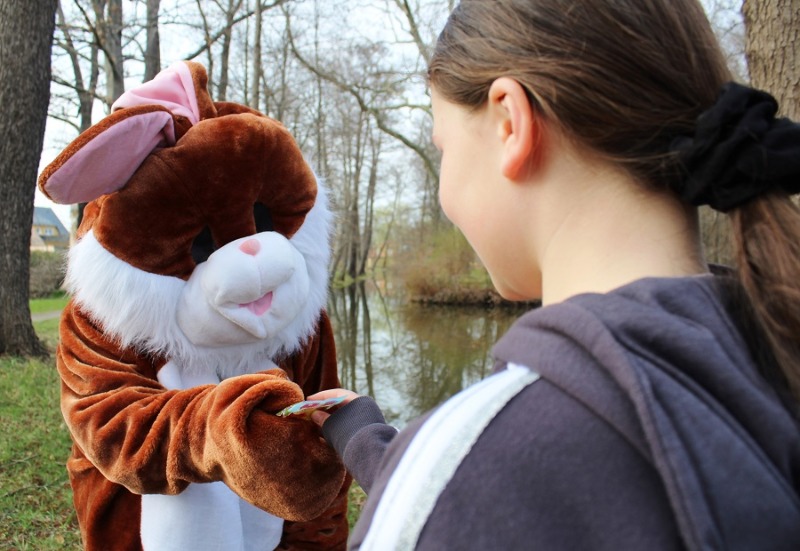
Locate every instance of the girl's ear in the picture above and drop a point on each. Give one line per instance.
(516, 125)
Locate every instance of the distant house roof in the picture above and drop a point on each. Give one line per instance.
(44, 216)
(47, 231)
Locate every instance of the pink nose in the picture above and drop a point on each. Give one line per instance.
(251, 247)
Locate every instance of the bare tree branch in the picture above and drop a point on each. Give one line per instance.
(210, 40)
(423, 48)
(377, 114)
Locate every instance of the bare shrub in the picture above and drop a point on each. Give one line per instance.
(47, 273)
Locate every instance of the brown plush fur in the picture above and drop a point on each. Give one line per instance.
(136, 220)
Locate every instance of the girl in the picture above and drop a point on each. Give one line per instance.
(650, 404)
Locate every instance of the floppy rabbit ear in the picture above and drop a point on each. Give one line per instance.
(103, 158)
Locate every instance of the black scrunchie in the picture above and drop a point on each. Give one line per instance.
(739, 151)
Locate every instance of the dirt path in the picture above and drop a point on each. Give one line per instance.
(41, 316)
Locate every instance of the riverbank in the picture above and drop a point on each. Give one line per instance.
(442, 269)
(471, 297)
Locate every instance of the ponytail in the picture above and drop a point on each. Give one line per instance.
(766, 237)
(741, 160)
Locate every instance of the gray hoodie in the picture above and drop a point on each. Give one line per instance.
(647, 426)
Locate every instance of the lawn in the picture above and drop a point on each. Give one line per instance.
(50, 304)
(35, 498)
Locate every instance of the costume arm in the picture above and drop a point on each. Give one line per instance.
(153, 440)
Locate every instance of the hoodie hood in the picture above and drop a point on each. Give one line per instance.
(674, 376)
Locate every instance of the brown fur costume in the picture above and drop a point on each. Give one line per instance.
(169, 174)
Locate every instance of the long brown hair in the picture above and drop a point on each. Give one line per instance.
(623, 78)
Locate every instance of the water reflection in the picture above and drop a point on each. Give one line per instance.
(411, 357)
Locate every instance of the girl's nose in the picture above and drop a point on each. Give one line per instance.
(250, 246)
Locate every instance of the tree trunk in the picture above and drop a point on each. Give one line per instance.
(369, 203)
(152, 53)
(112, 38)
(225, 54)
(773, 50)
(258, 68)
(207, 44)
(26, 34)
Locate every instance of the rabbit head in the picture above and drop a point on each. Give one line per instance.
(205, 236)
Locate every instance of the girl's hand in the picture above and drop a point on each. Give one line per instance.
(319, 417)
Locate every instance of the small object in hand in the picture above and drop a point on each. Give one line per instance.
(305, 408)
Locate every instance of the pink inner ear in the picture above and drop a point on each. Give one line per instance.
(107, 162)
(172, 88)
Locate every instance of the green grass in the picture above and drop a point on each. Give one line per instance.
(355, 502)
(50, 304)
(36, 512)
(35, 498)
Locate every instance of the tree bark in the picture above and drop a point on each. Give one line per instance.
(152, 53)
(258, 68)
(112, 46)
(26, 34)
(773, 50)
(225, 54)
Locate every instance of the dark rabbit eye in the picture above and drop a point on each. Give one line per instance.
(262, 217)
(202, 246)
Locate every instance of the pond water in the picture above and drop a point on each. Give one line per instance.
(408, 356)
